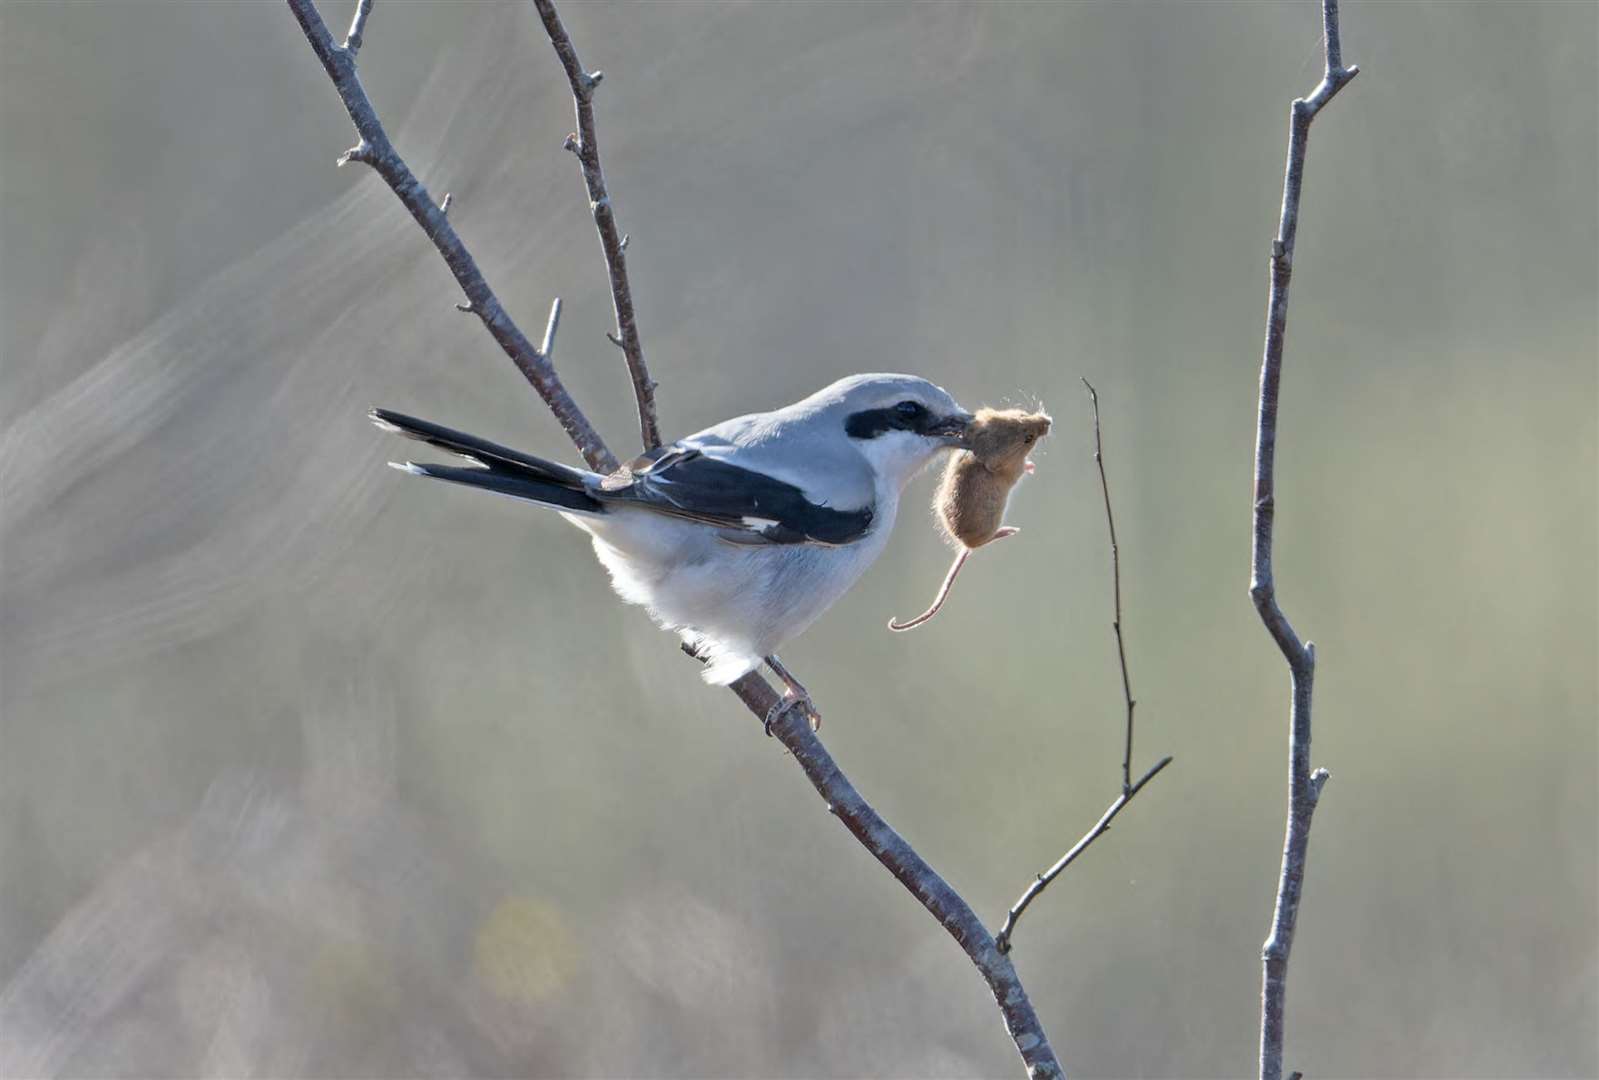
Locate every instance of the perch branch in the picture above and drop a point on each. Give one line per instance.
(844, 802)
(375, 150)
(840, 796)
(1304, 786)
(585, 144)
(1129, 789)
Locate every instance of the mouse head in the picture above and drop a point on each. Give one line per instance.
(1002, 438)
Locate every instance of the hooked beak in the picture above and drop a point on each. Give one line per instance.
(952, 429)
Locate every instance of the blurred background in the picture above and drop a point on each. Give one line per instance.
(311, 769)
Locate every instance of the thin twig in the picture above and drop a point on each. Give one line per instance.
(1116, 579)
(1002, 939)
(1304, 786)
(840, 796)
(586, 146)
(1129, 789)
(375, 150)
(352, 40)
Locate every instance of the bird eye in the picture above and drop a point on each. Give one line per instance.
(909, 409)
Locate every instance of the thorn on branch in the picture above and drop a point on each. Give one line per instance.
(572, 143)
(614, 340)
(1318, 780)
(444, 207)
(548, 349)
(464, 306)
(361, 151)
(591, 79)
(622, 246)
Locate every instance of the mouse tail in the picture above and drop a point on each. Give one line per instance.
(938, 601)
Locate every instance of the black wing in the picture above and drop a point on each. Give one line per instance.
(685, 483)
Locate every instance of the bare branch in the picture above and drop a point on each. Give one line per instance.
(1002, 939)
(1116, 579)
(375, 150)
(585, 144)
(1129, 789)
(1304, 788)
(793, 729)
(352, 40)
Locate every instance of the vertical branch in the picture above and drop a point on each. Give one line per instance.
(1116, 585)
(1304, 786)
(585, 144)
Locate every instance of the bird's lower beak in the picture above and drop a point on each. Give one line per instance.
(953, 429)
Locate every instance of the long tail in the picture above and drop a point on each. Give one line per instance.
(938, 601)
(496, 468)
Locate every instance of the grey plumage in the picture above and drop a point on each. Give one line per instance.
(740, 536)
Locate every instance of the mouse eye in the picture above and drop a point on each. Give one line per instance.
(910, 410)
(1029, 437)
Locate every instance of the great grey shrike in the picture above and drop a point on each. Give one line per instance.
(740, 536)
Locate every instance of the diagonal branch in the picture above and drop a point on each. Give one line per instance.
(1013, 916)
(941, 901)
(352, 39)
(840, 796)
(375, 150)
(1129, 789)
(1304, 786)
(585, 144)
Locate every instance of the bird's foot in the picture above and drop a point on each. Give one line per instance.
(793, 694)
(789, 702)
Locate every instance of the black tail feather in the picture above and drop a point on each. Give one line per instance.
(470, 446)
(503, 470)
(505, 482)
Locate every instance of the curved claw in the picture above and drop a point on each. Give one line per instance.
(786, 703)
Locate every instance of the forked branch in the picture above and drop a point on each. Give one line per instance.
(586, 145)
(1129, 789)
(793, 730)
(375, 150)
(1304, 786)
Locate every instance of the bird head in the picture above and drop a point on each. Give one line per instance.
(899, 423)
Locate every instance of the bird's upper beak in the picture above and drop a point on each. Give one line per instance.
(952, 429)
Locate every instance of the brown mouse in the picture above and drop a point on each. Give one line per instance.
(976, 487)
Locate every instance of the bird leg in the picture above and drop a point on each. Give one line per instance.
(794, 696)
